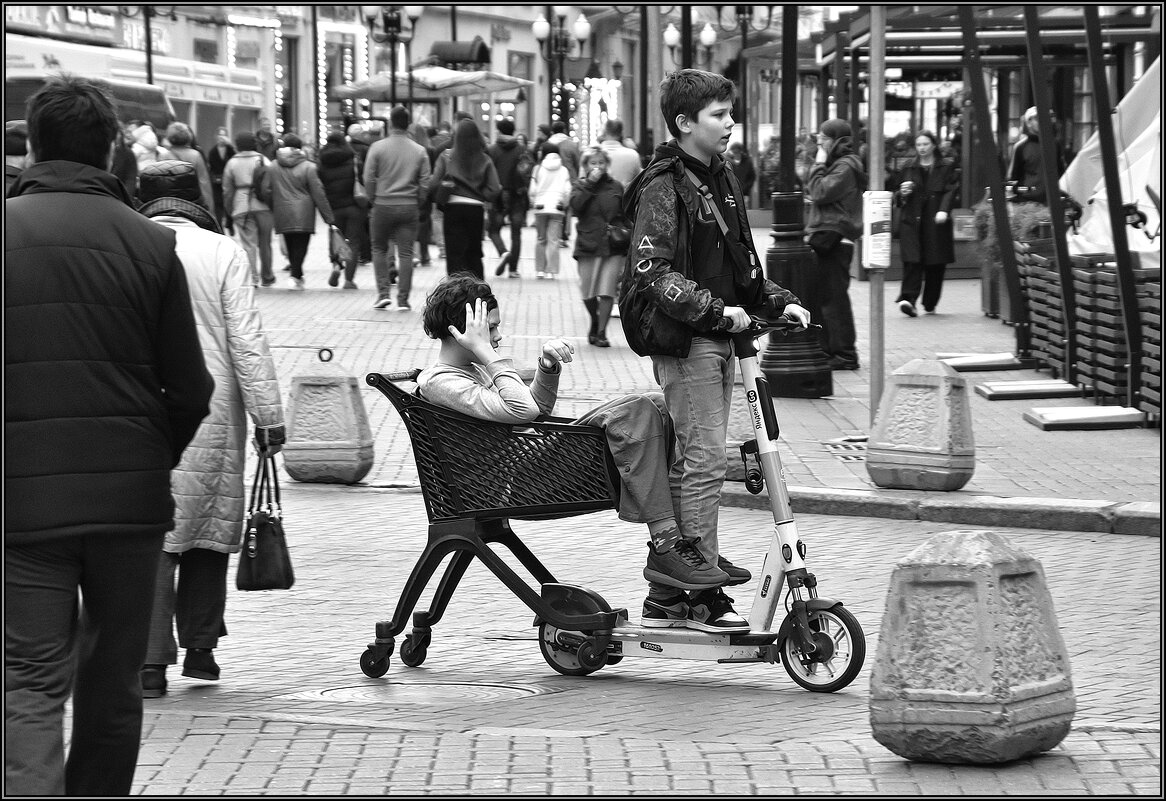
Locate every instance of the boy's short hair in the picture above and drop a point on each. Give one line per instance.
(446, 304)
(688, 91)
(72, 119)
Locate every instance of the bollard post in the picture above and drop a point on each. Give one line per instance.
(971, 666)
(329, 440)
(922, 436)
(794, 364)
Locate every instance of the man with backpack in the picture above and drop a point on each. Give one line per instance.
(247, 197)
(514, 164)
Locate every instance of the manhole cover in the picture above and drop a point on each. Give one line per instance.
(402, 694)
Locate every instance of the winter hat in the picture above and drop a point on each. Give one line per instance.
(336, 138)
(169, 178)
(835, 129)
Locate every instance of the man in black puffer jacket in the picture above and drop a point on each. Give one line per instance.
(337, 168)
(104, 386)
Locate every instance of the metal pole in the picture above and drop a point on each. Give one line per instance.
(743, 67)
(453, 38)
(1121, 249)
(685, 37)
(393, 70)
(1042, 97)
(1018, 309)
(643, 132)
(874, 135)
(147, 15)
(786, 177)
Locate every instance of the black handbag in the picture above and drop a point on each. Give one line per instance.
(264, 562)
(619, 237)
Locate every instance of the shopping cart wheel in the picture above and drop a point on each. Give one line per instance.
(371, 666)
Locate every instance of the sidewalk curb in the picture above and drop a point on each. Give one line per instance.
(1064, 514)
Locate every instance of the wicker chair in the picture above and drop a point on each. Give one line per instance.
(475, 475)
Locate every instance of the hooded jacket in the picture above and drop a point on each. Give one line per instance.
(337, 171)
(296, 193)
(550, 185)
(104, 377)
(208, 482)
(504, 153)
(191, 155)
(835, 190)
(665, 300)
(146, 148)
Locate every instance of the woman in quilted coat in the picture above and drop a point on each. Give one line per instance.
(207, 484)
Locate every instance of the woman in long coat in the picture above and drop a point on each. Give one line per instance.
(597, 200)
(297, 193)
(925, 191)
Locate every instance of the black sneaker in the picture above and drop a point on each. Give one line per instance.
(682, 566)
(737, 575)
(712, 610)
(665, 613)
(200, 664)
(153, 681)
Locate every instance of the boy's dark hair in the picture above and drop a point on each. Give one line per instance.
(558, 126)
(292, 141)
(72, 119)
(245, 140)
(400, 118)
(446, 304)
(688, 91)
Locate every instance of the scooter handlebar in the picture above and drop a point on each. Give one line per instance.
(761, 324)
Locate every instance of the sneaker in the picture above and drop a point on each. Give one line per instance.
(665, 613)
(153, 679)
(295, 283)
(200, 664)
(712, 610)
(908, 308)
(501, 268)
(267, 282)
(403, 305)
(682, 566)
(350, 285)
(383, 303)
(334, 278)
(737, 575)
(540, 276)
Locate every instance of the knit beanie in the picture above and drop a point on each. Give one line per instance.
(835, 128)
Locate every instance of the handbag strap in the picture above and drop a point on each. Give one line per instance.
(273, 485)
(256, 485)
(707, 194)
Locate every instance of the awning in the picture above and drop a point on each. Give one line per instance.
(475, 52)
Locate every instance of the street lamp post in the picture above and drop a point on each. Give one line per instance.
(390, 17)
(148, 13)
(558, 46)
(673, 38)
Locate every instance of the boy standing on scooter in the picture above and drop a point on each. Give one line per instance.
(691, 273)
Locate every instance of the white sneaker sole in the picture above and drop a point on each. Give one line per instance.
(734, 628)
(662, 624)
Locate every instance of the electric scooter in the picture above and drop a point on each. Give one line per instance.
(818, 640)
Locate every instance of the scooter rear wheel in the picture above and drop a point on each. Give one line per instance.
(563, 660)
(840, 636)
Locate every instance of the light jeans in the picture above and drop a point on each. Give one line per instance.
(698, 391)
(548, 231)
(254, 230)
(396, 224)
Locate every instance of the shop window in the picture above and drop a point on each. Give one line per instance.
(247, 54)
(206, 51)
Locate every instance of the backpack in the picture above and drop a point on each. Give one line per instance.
(523, 169)
(261, 183)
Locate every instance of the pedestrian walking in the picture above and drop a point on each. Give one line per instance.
(297, 195)
(1025, 166)
(550, 189)
(623, 162)
(265, 141)
(692, 272)
(147, 149)
(834, 184)
(569, 152)
(180, 142)
(395, 175)
(104, 386)
(216, 161)
(515, 165)
(191, 588)
(475, 184)
(770, 163)
(597, 201)
(359, 141)
(924, 193)
(420, 134)
(742, 166)
(338, 173)
(243, 182)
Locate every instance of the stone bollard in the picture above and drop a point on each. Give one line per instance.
(329, 440)
(971, 667)
(922, 437)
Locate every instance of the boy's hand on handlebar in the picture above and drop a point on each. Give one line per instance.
(558, 350)
(734, 319)
(798, 313)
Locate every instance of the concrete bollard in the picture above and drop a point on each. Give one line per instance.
(971, 667)
(329, 440)
(922, 437)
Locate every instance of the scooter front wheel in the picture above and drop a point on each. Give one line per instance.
(570, 662)
(841, 651)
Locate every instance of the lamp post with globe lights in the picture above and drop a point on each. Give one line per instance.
(557, 39)
(394, 34)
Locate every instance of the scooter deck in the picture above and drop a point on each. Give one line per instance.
(685, 643)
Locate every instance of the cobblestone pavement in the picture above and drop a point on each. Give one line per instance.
(485, 715)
